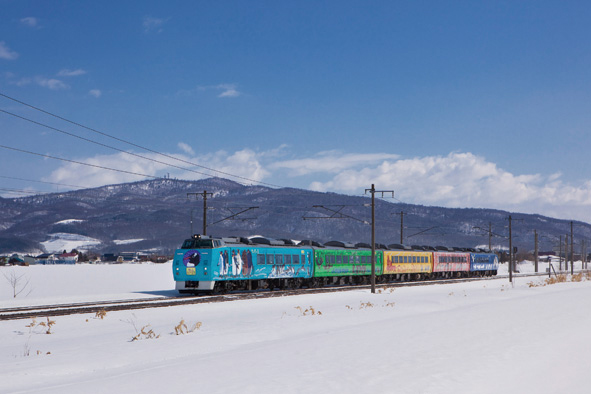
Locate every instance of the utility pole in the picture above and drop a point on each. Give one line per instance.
(204, 195)
(401, 227)
(560, 254)
(401, 213)
(566, 252)
(536, 249)
(510, 252)
(489, 236)
(511, 261)
(373, 192)
(583, 253)
(572, 250)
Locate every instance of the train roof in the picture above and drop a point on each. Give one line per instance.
(260, 240)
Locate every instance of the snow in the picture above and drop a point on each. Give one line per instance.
(477, 337)
(69, 221)
(127, 241)
(59, 242)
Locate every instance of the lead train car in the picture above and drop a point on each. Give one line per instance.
(205, 264)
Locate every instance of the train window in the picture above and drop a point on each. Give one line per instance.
(339, 259)
(197, 243)
(279, 259)
(287, 259)
(270, 259)
(332, 259)
(295, 259)
(260, 259)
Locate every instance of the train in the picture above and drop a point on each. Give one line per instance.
(205, 264)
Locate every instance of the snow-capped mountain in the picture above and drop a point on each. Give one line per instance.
(160, 214)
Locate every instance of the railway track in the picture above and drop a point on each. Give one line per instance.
(37, 311)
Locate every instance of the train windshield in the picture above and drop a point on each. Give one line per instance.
(193, 243)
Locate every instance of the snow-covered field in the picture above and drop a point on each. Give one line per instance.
(479, 337)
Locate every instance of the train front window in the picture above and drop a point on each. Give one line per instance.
(193, 243)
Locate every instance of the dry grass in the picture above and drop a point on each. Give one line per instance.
(308, 312)
(182, 327)
(145, 333)
(561, 278)
(100, 314)
(45, 325)
(577, 277)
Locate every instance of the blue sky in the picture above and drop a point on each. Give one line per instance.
(460, 104)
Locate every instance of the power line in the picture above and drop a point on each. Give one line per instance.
(49, 183)
(20, 191)
(129, 143)
(78, 162)
(101, 144)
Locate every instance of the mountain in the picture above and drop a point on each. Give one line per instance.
(156, 215)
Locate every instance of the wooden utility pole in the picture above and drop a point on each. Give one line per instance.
(401, 227)
(373, 192)
(583, 254)
(572, 250)
(560, 254)
(566, 253)
(204, 195)
(510, 252)
(489, 236)
(536, 249)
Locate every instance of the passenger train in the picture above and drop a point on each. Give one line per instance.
(205, 264)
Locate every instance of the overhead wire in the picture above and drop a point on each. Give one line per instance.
(132, 144)
(100, 143)
(79, 162)
(49, 183)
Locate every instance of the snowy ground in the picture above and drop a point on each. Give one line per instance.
(480, 337)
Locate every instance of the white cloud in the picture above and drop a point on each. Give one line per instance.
(153, 25)
(30, 21)
(461, 180)
(244, 163)
(71, 73)
(186, 148)
(51, 83)
(465, 180)
(95, 93)
(6, 53)
(228, 90)
(331, 162)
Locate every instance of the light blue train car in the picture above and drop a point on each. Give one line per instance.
(205, 264)
(484, 263)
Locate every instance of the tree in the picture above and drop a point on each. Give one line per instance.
(19, 283)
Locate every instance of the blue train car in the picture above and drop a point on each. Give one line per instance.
(484, 263)
(205, 264)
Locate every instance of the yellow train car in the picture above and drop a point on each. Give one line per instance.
(408, 264)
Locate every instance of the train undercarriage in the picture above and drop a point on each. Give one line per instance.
(226, 286)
